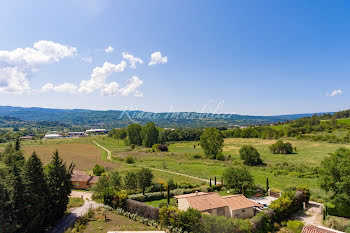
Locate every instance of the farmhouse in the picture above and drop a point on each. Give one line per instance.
(81, 180)
(52, 136)
(235, 206)
(97, 131)
(77, 134)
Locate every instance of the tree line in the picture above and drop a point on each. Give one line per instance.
(32, 196)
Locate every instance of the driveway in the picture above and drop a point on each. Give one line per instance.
(263, 200)
(75, 213)
(312, 214)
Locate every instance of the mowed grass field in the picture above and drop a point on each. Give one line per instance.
(84, 156)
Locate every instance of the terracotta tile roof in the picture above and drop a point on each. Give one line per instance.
(77, 172)
(81, 178)
(236, 202)
(190, 195)
(318, 229)
(94, 180)
(206, 201)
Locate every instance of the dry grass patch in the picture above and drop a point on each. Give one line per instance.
(84, 156)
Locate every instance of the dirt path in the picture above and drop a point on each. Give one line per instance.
(109, 157)
(312, 214)
(109, 153)
(75, 213)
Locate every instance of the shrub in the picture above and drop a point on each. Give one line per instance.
(250, 155)
(295, 226)
(98, 170)
(263, 221)
(129, 159)
(225, 225)
(167, 215)
(114, 199)
(220, 157)
(189, 220)
(281, 148)
(162, 147)
(141, 209)
(338, 223)
(197, 156)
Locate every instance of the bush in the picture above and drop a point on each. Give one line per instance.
(189, 220)
(114, 199)
(148, 197)
(250, 155)
(295, 226)
(281, 148)
(141, 209)
(263, 221)
(98, 170)
(287, 204)
(129, 159)
(197, 156)
(224, 225)
(167, 215)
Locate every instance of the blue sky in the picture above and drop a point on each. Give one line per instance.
(246, 57)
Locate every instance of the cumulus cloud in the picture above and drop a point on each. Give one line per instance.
(62, 88)
(133, 83)
(43, 53)
(20, 63)
(109, 49)
(110, 89)
(87, 59)
(99, 75)
(132, 60)
(13, 81)
(156, 58)
(335, 93)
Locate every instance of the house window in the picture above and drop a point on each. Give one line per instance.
(77, 184)
(243, 211)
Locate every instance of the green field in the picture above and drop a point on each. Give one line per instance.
(180, 158)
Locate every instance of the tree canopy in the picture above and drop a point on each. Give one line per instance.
(237, 177)
(250, 155)
(212, 142)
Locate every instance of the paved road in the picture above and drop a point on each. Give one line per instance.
(109, 155)
(70, 219)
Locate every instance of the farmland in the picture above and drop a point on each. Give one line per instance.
(181, 158)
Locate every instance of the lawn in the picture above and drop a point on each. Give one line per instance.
(158, 202)
(114, 223)
(75, 202)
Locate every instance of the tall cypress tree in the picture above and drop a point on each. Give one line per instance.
(59, 186)
(17, 144)
(36, 193)
(6, 211)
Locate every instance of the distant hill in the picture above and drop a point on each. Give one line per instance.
(115, 118)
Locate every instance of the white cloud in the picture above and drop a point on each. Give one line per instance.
(47, 87)
(87, 59)
(138, 94)
(99, 76)
(62, 88)
(20, 63)
(43, 53)
(132, 60)
(13, 81)
(335, 93)
(110, 89)
(109, 49)
(156, 58)
(133, 83)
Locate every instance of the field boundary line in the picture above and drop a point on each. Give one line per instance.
(109, 153)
